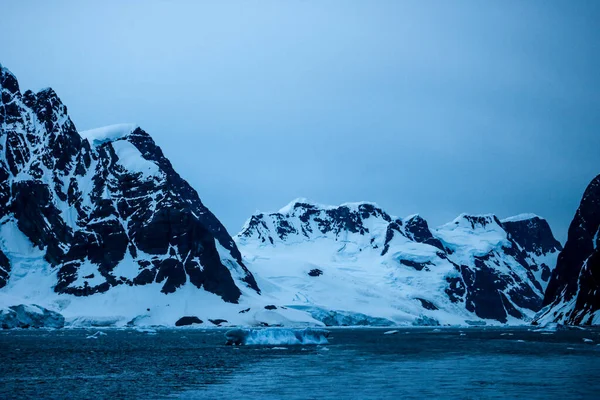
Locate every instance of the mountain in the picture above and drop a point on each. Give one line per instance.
(573, 294)
(101, 211)
(356, 264)
(97, 228)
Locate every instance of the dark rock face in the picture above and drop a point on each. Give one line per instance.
(416, 228)
(427, 304)
(186, 321)
(533, 235)
(419, 266)
(105, 210)
(573, 294)
(315, 272)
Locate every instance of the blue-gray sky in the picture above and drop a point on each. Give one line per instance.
(435, 107)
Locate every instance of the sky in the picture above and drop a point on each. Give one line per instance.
(429, 107)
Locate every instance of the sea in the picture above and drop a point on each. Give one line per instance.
(367, 363)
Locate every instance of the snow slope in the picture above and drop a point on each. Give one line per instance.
(355, 264)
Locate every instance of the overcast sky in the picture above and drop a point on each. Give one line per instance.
(430, 107)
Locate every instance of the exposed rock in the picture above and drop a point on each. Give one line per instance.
(189, 320)
(573, 294)
(428, 305)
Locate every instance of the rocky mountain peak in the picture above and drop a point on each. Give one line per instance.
(573, 294)
(106, 209)
(532, 233)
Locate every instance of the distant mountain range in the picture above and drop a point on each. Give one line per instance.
(97, 226)
(356, 258)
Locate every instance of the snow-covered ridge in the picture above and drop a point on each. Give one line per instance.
(353, 263)
(303, 202)
(521, 217)
(108, 133)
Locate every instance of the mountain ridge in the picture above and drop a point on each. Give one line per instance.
(485, 269)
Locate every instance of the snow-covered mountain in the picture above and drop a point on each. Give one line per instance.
(103, 212)
(98, 228)
(356, 264)
(573, 294)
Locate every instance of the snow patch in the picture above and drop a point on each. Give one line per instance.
(132, 160)
(521, 217)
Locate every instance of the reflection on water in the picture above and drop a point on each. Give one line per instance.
(365, 363)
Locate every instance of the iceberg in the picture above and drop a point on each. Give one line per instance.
(276, 336)
(30, 316)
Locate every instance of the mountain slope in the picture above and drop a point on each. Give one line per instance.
(573, 295)
(85, 214)
(356, 263)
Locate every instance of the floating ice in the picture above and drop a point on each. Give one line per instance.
(96, 335)
(390, 332)
(276, 336)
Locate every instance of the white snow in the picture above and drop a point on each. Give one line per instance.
(468, 240)
(107, 133)
(521, 217)
(132, 160)
(358, 286)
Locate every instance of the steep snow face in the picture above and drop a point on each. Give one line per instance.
(573, 294)
(470, 236)
(355, 264)
(92, 213)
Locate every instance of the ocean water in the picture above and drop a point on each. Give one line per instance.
(470, 363)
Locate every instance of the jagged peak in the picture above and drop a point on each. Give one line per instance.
(413, 217)
(47, 91)
(108, 133)
(8, 80)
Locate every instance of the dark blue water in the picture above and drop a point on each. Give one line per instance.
(470, 363)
